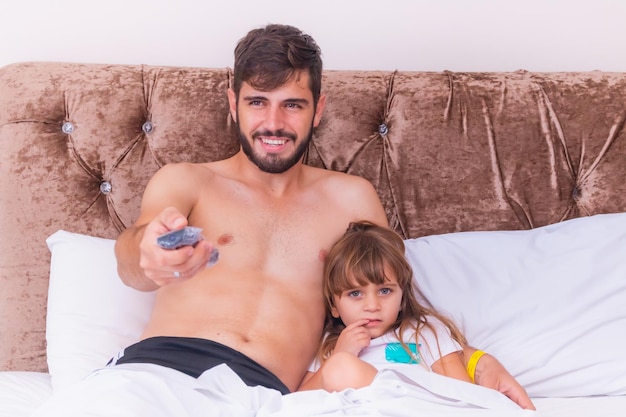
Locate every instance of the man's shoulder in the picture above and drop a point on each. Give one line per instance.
(183, 175)
(339, 177)
(353, 195)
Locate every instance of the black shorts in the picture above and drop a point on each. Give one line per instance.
(193, 356)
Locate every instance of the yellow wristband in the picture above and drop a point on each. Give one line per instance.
(471, 364)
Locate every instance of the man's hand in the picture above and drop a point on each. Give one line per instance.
(491, 374)
(164, 266)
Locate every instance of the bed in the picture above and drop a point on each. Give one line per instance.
(509, 188)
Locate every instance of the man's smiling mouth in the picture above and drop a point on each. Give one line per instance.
(273, 142)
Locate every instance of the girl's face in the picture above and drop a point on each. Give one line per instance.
(380, 304)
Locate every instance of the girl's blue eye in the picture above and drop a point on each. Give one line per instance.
(385, 291)
(354, 293)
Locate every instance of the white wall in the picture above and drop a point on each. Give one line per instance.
(422, 35)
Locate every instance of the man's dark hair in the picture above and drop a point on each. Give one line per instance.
(268, 57)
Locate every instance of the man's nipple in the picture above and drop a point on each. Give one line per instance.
(322, 255)
(225, 239)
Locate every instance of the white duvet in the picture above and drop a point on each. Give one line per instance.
(152, 390)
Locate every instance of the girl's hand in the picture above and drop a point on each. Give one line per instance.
(353, 338)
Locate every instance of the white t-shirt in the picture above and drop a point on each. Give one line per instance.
(386, 352)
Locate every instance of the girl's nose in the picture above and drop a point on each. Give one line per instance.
(372, 303)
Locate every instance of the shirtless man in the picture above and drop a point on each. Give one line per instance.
(271, 217)
(260, 308)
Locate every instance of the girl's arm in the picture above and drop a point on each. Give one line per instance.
(343, 369)
(451, 365)
(340, 371)
(312, 380)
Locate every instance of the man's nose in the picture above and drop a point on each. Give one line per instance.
(274, 119)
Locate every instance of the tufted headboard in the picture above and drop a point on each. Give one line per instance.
(446, 151)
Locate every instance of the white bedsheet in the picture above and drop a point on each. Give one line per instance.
(601, 406)
(22, 392)
(396, 395)
(150, 390)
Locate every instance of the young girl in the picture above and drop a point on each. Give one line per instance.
(374, 320)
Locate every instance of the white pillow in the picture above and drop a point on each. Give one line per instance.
(91, 314)
(549, 303)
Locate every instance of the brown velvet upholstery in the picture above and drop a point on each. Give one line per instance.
(446, 151)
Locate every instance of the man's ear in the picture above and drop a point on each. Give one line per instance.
(319, 109)
(232, 103)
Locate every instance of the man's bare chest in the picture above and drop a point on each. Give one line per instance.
(267, 237)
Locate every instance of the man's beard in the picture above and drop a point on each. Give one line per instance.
(273, 164)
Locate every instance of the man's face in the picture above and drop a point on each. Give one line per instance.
(275, 127)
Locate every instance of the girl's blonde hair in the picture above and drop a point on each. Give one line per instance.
(360, 257)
